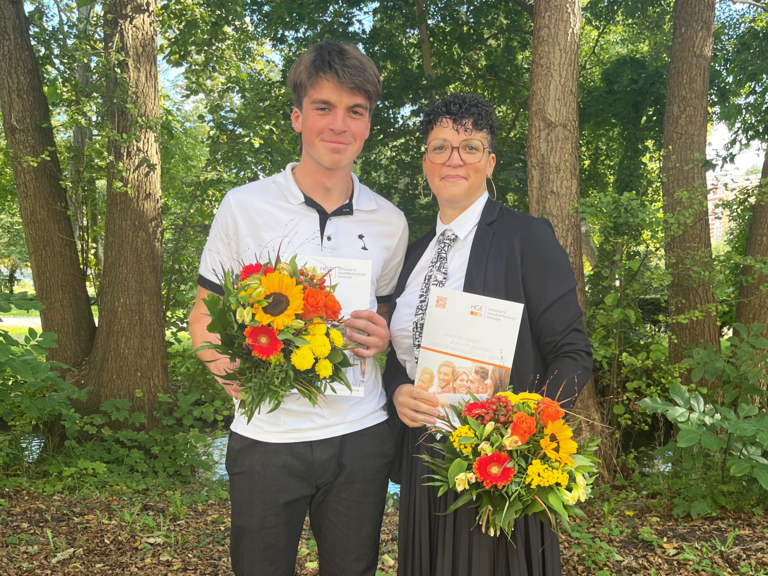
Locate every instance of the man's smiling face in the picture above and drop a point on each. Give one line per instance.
(334, 123)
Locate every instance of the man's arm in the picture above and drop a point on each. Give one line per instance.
(198, 330)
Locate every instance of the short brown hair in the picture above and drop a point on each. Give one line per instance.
(341, 63)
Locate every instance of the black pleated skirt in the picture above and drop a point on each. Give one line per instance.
(430, 544)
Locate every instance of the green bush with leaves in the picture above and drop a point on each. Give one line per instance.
(32, 391)
(112, 446)
(721, 445)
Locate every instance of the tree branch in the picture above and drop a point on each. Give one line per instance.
(750, 3)
(594, 47)
(524, 6)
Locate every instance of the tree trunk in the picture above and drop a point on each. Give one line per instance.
(81, 185)
(129, 352)
(53, 257)
(752, 306)
(692, 306)
(426, 53)
(553, 161)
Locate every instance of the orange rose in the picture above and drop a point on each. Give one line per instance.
(332, 307)
(314, 304)
(523, 426)
(549, 411)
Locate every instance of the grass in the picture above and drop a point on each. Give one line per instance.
(36, 313)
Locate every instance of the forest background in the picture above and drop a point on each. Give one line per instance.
(125, 122)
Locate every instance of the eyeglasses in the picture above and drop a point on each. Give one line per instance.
(470, 151)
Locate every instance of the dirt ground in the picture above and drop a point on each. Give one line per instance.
(66, 534)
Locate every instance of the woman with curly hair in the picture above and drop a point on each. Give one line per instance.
(481, 247)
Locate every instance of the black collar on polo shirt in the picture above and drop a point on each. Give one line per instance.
(344, 210)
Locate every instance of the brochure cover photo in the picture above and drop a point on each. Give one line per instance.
(468, 344)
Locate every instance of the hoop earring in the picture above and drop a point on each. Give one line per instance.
(494, 188)
(421, 188)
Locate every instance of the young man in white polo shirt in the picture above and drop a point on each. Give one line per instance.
(332, 459)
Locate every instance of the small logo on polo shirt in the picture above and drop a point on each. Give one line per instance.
(361, 237)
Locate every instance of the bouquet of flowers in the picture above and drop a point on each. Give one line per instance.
(281, 321)
(513, 454)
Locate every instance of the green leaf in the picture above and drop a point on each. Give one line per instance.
(688, 436)
(697, 402)
(762, 476)
(556, 503)
(697, 373)
(710, 441)
(463, 499)
(457, 467)
(619, 409)
(699, 508)
(677, 414)
(740, 468)
(654, 405)
(747, 410)
(680, 395)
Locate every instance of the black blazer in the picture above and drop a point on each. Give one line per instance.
(517, 257)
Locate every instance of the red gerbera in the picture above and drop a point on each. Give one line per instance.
(493, 469)
(263, 341)
(249, 270)
(474, 409)
(549, 410)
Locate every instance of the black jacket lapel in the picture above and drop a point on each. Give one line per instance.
(477, 268)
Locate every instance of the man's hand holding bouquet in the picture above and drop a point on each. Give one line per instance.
(513, 454)
(281, 323)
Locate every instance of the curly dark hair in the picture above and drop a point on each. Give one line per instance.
(464, 111)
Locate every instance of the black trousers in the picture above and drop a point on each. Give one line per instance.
(342, 481)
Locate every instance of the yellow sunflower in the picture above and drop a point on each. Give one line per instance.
(558, 443)
(285, 300)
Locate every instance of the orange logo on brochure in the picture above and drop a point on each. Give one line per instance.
(476, 310)
(441, 301)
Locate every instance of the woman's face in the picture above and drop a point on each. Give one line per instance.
(456, 184)
(424, 383)
(461, 385)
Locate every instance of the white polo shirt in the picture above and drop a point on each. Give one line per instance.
(256, 220)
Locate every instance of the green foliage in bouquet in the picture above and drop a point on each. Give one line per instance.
(281, 323)
(512, 455)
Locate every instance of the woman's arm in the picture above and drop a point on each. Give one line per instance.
(555, 316)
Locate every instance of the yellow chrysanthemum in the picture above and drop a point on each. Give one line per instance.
(540, 474)
(321, 346)
(317, 328)
(324, 368)
(336, 338)
(558, 443)
(302, 358)
(463, 432)
(286, 300)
